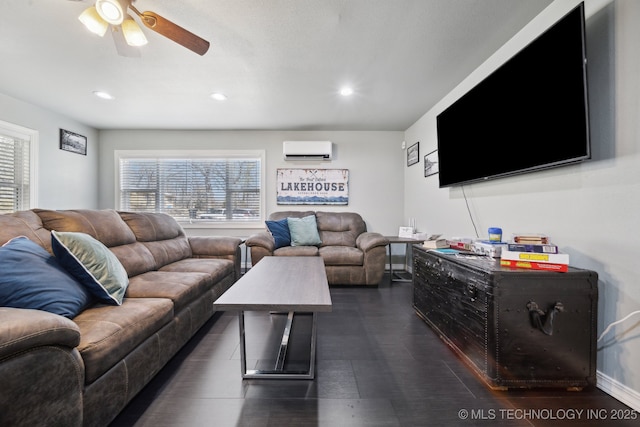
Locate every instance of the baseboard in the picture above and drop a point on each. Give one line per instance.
(618, 391)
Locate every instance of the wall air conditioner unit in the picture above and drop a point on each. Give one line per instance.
(307, 150)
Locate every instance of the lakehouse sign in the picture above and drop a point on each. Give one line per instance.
(313, 187)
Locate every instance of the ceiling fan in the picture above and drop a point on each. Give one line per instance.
(97, 19)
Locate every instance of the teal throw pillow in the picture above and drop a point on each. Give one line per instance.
(304, 231)
(32, 278)
(280, 232)
(92, 263)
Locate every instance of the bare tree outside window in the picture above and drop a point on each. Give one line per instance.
(197, 189)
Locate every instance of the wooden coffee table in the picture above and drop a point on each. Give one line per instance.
(280, 284)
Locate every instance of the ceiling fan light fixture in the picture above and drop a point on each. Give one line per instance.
(94, 23)
(133, 33)
(112, 11)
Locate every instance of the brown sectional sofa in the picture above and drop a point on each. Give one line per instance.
(84, 370)
(351, 254)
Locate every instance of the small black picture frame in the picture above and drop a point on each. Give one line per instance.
(413, 154)
(73, 142)
(431, 163)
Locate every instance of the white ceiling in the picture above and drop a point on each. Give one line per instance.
(280, 62)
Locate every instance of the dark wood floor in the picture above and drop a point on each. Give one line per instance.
(378, 364)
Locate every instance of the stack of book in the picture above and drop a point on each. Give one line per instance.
(534, 254)
(435, 243)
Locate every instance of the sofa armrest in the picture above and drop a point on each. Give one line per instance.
(374, 246)
(218, 247)
(21, 330)
(214, 246)
(369, 240)
(41, 371)
(263, 239)
(262, 245)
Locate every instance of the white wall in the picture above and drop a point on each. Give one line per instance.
(65, 180)
(589, 210)
(374, 159)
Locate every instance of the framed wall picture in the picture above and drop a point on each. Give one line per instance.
(413, 154)
(313, 187)
(431, 163)
(70, 141)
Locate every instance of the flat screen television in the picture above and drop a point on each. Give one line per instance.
(529, 114)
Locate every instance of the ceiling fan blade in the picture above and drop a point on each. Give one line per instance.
(174, 32)
(122, 47)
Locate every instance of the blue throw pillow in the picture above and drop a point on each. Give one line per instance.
(280, 232)
(32, 278)
(304, 231)
(92, 263)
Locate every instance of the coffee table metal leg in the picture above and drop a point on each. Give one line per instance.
(279, 372)
(243, 345)
(312, 357)
(284, 343)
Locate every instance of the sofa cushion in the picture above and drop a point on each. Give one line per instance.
(297, 251)
(340, 228)
(103, 225)
(275, 216)
(32, 278)
(151, 227)
(92, 263)
(109, 333)
(167, 251)
(182, 287)
(216, 268)
(135, 258)
(280, 232)
(341, 255)
(304, 231)
(161, 234)
(24, 223)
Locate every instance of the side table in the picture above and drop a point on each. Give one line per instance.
(395, 277)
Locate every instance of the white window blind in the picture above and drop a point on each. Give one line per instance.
(16, 167)
(203, 187)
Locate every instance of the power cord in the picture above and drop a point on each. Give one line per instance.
(478, 236)
(616, 322)
(469, 211)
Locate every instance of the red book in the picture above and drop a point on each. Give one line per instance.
(532, 265)
(455, 244)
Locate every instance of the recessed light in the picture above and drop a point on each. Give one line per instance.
(103, 94)
(346, 91)
(219, 96)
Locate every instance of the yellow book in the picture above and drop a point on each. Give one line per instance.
(559, 258)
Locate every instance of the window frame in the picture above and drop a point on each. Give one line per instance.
(198, 154)
(16, 131)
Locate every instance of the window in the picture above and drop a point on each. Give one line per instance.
(202, 187)
(18, 166)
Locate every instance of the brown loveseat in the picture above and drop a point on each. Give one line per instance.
(84, 370)
(352, 256)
